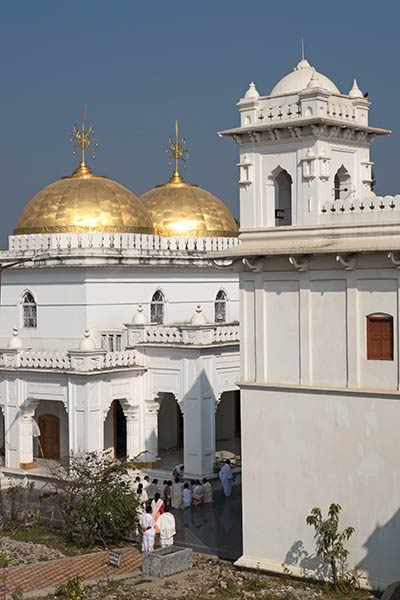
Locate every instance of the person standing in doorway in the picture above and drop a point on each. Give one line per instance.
(226, 477)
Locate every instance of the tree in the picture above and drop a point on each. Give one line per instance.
(95, 499)
(329, 542)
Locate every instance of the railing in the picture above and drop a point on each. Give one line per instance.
(199, 335)
(75, 360)
(374, 208)
(135, 243)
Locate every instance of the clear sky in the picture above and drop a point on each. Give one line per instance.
(140, 65)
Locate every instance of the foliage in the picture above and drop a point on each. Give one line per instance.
(95, 499)
(71, 590)
(14, 505)
(5, 561)
(17, 594)
(330, 544)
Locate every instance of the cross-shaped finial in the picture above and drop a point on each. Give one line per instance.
(177, 149)
(83, 139)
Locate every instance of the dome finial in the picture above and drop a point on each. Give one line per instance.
(83, 139)
(178, 152)
(302, 49)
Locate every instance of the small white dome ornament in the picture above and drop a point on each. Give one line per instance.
(252, 91)
(198, 317)
(15, 342)
(314, 81)
(87, 342)
(355, 91)
(139, 318)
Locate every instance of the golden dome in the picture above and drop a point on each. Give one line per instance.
(82, 203)
(180, 209)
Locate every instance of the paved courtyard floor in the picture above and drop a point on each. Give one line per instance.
(52, 573)
(213, 528)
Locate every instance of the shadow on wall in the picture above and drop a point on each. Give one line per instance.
(382, 562)
(309, 565)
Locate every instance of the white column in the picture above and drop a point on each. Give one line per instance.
(199, 418)
(132, 434)
(26, 441)
(151, 431)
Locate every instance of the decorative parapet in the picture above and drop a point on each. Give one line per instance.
(371, 209)
(130, 243)
(72, 361)
(197, 335)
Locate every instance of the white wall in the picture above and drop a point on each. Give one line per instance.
(314, 448)
(71, 299)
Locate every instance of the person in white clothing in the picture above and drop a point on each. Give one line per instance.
(146, 523)
(166, 525)
(176, 493)
(187, 496)
(179, 471)
(207, 491)
(226, 477)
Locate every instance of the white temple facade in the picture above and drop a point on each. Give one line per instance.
(126, 338)
(319, 266)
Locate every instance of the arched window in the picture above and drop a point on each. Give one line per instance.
(379, 337)
(157, 308)
(220, 307)
(283, 198)
(342, 184)
(29, 311)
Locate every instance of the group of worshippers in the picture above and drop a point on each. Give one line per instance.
(155, 502)
(154, 516)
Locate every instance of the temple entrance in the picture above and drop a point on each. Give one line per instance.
(170, 431)
(228, 423)
(49, 439)
(115, 431)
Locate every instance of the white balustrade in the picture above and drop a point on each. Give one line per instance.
(27, 359)
(354, 210)
(129, 243)
(183, 334)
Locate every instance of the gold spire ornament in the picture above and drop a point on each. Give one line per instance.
(83, 139)
(178, 153)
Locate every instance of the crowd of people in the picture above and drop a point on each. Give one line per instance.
(156, 502)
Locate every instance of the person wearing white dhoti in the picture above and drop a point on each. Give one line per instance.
(166, 524)
(226, 477)
(146, 523)
(207, 491)
(176, 493)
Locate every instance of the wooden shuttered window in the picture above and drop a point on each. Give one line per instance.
(380, 337)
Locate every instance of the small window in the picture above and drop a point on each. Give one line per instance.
(29, 311)
(157, 308)
(380, 337)
(220, 307)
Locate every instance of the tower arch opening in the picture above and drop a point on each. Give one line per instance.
(283, 197)
(342, 184)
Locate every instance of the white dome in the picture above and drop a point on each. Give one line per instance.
(140, 317)
(299, 78)
(87, 342)
(15, 342)
(198, 317)
(252, 91)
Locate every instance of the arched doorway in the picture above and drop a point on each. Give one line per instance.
(170, 430)
(228, 423)
(283, 199)
(115, 431)
(49, 439)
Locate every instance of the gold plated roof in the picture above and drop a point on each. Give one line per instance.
(83, 203)
(180, 209)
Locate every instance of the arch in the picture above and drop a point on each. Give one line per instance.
(157, 308)
(283, 196)
(342, 184)
(220, 305)
(170, 424)
(28, 310)
(115, 433)
(49, 426)
(228, 422)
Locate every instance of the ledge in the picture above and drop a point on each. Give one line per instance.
(318, 389)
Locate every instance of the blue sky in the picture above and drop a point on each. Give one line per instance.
(140, 65)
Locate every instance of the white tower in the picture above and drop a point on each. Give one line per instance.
(303, 148)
